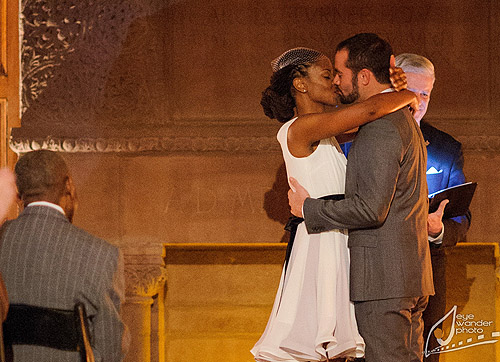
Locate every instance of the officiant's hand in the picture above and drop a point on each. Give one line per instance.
(435, 220)
(296, 196)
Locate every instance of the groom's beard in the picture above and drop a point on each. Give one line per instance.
(351, 97)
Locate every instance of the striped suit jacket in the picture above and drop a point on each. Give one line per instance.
(46, 261)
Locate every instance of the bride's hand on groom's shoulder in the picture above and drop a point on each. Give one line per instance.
(398, 78)
(296, 196)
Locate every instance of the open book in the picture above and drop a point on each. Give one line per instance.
(460, 197)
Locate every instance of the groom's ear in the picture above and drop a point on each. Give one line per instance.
(392, 61)
(364, 77)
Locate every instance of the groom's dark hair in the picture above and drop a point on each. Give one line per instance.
(368, 51)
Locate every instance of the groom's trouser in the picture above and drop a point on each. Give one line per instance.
(392, 329)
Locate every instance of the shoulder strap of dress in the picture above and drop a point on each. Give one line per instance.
(282, 135)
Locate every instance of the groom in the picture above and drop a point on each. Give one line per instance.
(385, 210)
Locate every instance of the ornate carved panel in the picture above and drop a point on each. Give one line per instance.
(194, 144)
(145, 271)
(150, 144)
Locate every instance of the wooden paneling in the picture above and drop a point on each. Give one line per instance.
(3, 38)
(217, 306)
(4, 141)
(9, 76)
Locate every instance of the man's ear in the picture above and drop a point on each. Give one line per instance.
(69, 187)
(364, 77)
(299, 85)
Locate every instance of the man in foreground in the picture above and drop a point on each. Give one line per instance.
(48, 262)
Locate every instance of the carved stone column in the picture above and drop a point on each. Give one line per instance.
(145, 276)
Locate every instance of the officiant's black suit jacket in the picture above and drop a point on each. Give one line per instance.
(445, 162)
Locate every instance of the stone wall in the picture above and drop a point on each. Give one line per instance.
(172, 89)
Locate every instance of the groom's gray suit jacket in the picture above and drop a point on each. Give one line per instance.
(48, 262)
(385, 210)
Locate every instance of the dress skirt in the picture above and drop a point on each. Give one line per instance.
(312, 317)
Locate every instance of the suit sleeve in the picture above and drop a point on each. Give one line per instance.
(456, 228)
(111, 335)
(377, 164)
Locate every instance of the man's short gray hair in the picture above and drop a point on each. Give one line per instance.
(41, 174)
(414, 63)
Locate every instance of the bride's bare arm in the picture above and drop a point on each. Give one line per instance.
(310, 128)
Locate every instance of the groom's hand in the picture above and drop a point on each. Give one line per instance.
(296, 196)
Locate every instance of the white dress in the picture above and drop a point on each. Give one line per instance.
(312, 317)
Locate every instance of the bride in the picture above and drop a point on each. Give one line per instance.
(312, 318)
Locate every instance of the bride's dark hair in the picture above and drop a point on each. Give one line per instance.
(278, 100)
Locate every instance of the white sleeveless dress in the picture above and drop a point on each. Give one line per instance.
(312, 316)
